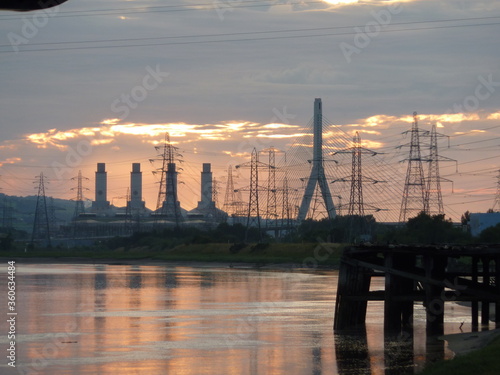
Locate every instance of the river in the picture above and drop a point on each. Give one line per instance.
(86, 319)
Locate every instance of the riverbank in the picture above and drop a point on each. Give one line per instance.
(306, 255)
(476, 352)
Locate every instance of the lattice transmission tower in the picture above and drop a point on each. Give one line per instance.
(433, 196)
(253, 212)
(229, 195)
(233, 203)
(356, 200)
(215, 192)
(167, 204)
(286, 212)
(496, 203)
(41, 226)
(79, 200)
(414, 189)
(272, 201)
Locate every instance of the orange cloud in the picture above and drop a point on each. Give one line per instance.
(110, 129)
(10, 161)
(494, 116)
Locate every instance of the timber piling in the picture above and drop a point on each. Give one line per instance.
(430, 274)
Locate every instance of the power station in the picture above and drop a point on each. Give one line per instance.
(269, 205)
(105, 219)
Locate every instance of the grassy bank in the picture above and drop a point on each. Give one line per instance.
(309, 254)
(485, 361)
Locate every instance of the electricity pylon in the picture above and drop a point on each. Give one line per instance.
(253, 213)
(433, 195)
(41, 227)
(414, 189)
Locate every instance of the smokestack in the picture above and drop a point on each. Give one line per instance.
(136, 202)
(171, 195)
(206, 186)
(101, 188)
(171, 206)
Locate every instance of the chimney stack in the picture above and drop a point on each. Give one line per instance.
(136, 202)
(206, 187)
(101, 188)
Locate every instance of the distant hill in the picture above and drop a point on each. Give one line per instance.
(20, 211)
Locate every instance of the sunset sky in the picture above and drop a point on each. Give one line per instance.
(101, 81)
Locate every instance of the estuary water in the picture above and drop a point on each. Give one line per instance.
(86, 319)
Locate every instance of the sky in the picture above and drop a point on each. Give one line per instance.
(102, 81)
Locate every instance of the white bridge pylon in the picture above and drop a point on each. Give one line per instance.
(317, 172)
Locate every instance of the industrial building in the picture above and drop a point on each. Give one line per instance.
(106, 220)
(206, 209)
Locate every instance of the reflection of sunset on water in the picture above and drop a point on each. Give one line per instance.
(104, 319)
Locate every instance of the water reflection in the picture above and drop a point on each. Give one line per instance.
(135, 278)
(351, 349)
(399, 353)
(316, 353)
(130, 319)
(100, 278)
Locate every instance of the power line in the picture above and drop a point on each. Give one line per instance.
(168, 9)
(246, 33)
(474, 131)
(474, 201)
(479, 141)
(227, 40)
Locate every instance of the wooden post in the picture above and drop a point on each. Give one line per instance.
(353, 282)
(407, 288)
(435, 268)
(475, 304)
(485, 304)
(497, 286)
(341, 320)
(392, 308)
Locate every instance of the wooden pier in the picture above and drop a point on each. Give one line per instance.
(429, 274)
